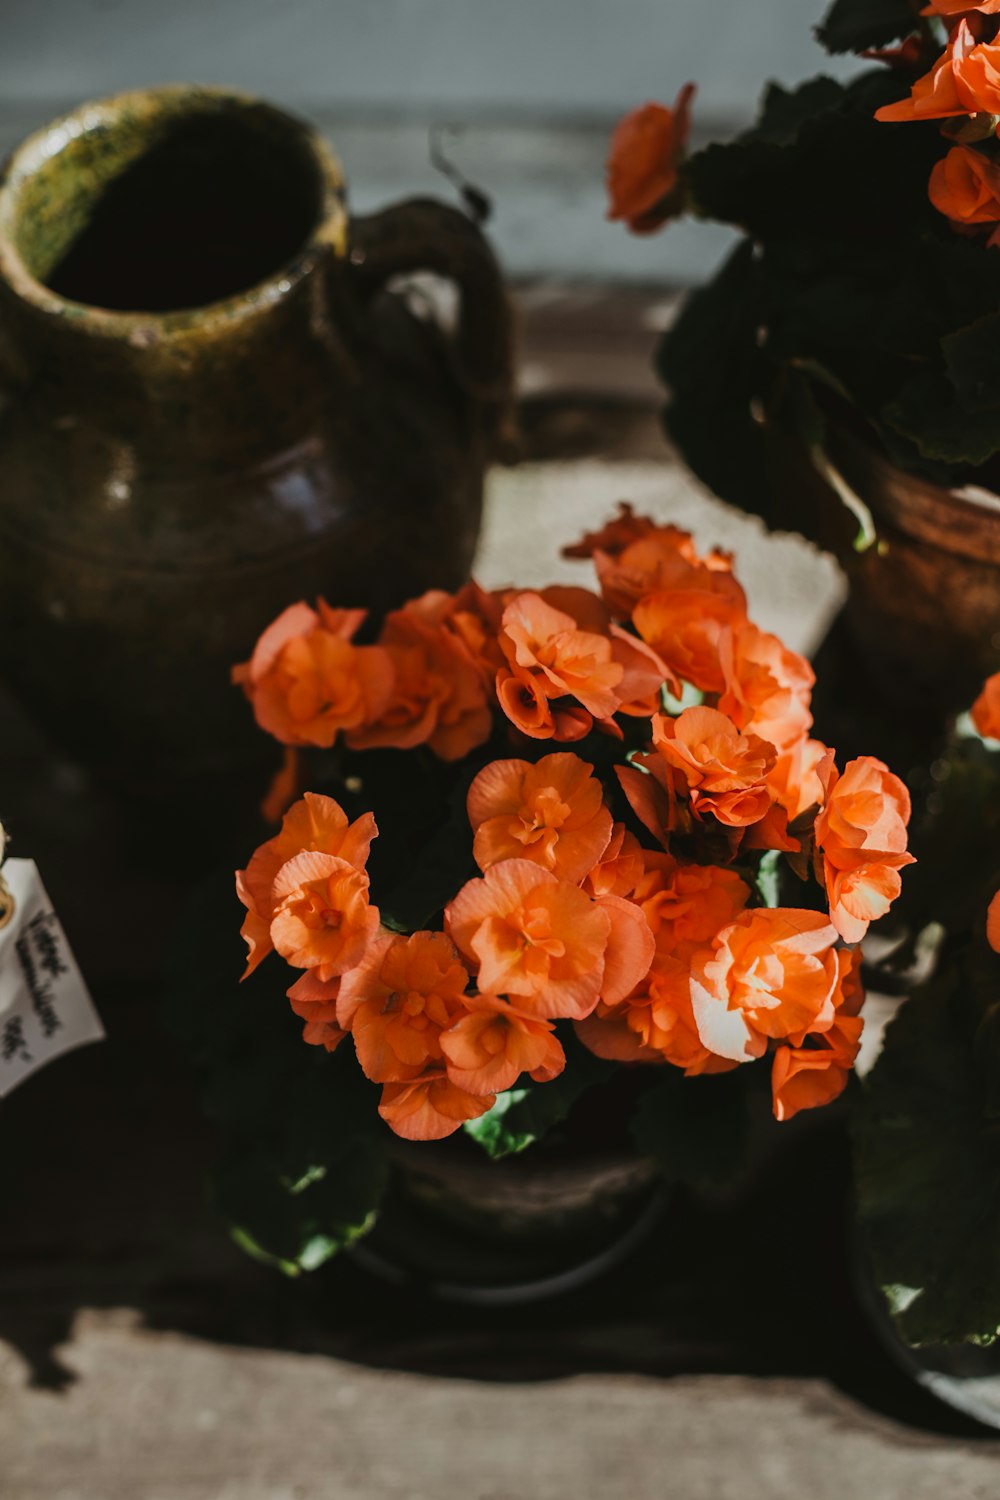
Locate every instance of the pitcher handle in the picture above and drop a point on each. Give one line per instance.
(421, 234)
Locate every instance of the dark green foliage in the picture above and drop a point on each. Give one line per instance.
(927, 1128)
(927, 1150)
(856, 25)
(696, 1128)
(303, 1159)
(848, 282)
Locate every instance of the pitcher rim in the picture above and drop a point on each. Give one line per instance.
(327, 237)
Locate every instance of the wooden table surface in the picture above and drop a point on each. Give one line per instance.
(142, 1357)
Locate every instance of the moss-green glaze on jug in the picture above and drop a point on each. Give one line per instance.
(213, 407)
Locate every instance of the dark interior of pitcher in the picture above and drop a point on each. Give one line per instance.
(155, 213)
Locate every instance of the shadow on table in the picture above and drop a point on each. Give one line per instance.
(103, 1206)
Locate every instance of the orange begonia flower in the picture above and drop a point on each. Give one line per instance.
(800, 777)
(725, 772)
(965, 187)
(398, 1000)
(532, 936)
(316, 1003)
(767, 687)
(614, 536)
(438, 696)
(620, 868)
(431, 1107)
(323, 919)
(315, 824)
(808, 1077)
(569, 665)
(770, 974)
(961, 7)
(308, 683)
(993, 923)
(545, 643)
(551, 812)
(655, 1023)
(861, 841)
(662, 559)
(643, 170)
(688, 903)
(986, 709)
(487, 1050)
(804, 1076)
(964, 81)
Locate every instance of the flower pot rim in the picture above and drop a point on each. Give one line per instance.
(964, 522)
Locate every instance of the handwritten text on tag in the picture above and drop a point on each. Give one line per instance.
(45, 1008)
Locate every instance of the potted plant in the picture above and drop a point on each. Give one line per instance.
(925, 1129)
(568, 863)
(838, 375)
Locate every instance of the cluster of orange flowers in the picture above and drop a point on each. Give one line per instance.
(646, 937)
(964, 84)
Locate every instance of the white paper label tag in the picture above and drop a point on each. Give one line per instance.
(45, 1008)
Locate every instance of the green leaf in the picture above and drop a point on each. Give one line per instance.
(927, 412)
(299, 1227)
(855, 25)
(971, 357)
(694, 1127)
(927, 1154)
(527, 1114)
(768, 877)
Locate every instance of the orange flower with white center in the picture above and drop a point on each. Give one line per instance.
(533, 936)
(316, 1004)
(551, 813)
(767, 687)
(306, 680)
(986, 709)
(771, 974)
(620, 868)
(861, 842)
(431, 1107)
(643, 170)
(398, 1000)
(323, 919)
(487, 1050)
(724, 772)
(315, 824)
(438, 696)
(965, 80)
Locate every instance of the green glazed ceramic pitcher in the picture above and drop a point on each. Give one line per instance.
(213, 407)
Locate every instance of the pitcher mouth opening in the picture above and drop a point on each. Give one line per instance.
(165, 201)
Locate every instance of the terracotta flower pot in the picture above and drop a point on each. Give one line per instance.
(923, 611)
(214, 408)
